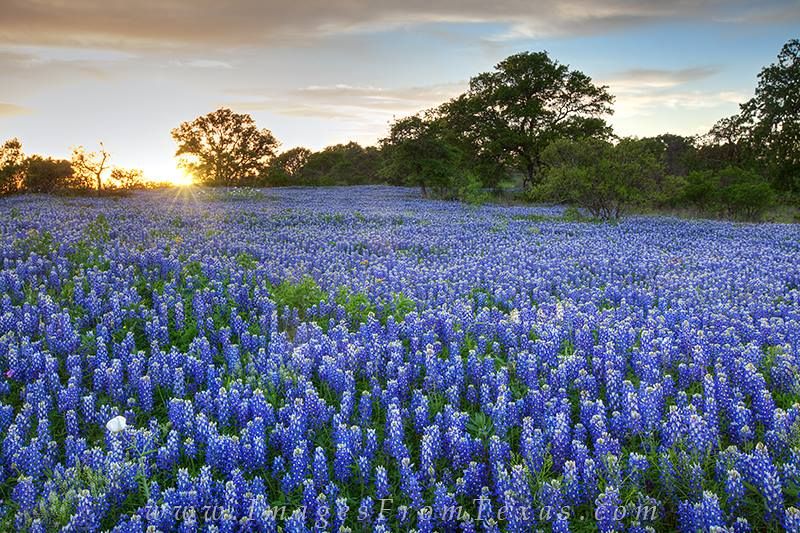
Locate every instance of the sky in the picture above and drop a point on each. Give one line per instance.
(321, 72)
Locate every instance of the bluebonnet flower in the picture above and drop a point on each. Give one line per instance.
(608, 503)
(409, 482)
(761, 472)
(341, 462)
(791, 520)
(734, 488)
(381, 482)
(710, 511)
(586, 369)
(24, 494)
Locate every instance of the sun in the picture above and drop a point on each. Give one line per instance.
(178, 177)
(183, 180)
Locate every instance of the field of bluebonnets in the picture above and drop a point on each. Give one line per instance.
(300, 359)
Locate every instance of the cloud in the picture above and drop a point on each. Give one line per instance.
(648, 79)
(157, 23)
(28, 70)
(645, 91)
(649, 101)
(202, 63)
(644, 105)
(360, 111)
(9, 110)
(348, 101)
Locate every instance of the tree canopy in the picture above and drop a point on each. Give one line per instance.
(46, 175)
(511, 114)
(341, 164)
(774, 116)
(602, 177)
(417, 152)
(11, 165)
(224, 148)
(285, 168)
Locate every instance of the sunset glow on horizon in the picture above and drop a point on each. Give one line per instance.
(316, 75)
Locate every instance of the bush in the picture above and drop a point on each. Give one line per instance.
(300, 296)
(470, 189)
(603, 178)
(671, 191)
(748, 199)
(702, 187)
(732, 191)
(46, 175)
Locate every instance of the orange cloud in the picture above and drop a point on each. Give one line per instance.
(8, 110)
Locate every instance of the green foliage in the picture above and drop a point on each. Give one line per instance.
(764, 135)
(603, 178)
(246, 261)
(341, 164)
(669, 191)
(301, 295)
(480, 426)
(419, 152)
(511, 114)
(401, 306)
(45, 175)
(677, 152)
(470, 189)
(356, 304)
(732, 191)
(56, 510)
(748, 197)
(701, 189)
(224, 148)
(285, 168)
(772, 118)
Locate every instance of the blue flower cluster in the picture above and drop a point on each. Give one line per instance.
(310, 360)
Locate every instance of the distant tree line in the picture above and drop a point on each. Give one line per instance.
(535, 122)
(86, 172)
(531, 122)
(225, 148)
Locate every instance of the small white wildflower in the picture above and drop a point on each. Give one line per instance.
(514, 316)
(117, 424)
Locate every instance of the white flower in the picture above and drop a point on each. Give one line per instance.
(514, 316)
(117, 424)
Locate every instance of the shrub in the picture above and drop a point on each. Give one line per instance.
(603, 178)
(301, 295)
(701, 189)
(671, 191)
(46, 175)
(748, 199)
(470, 189)
(732, 191)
